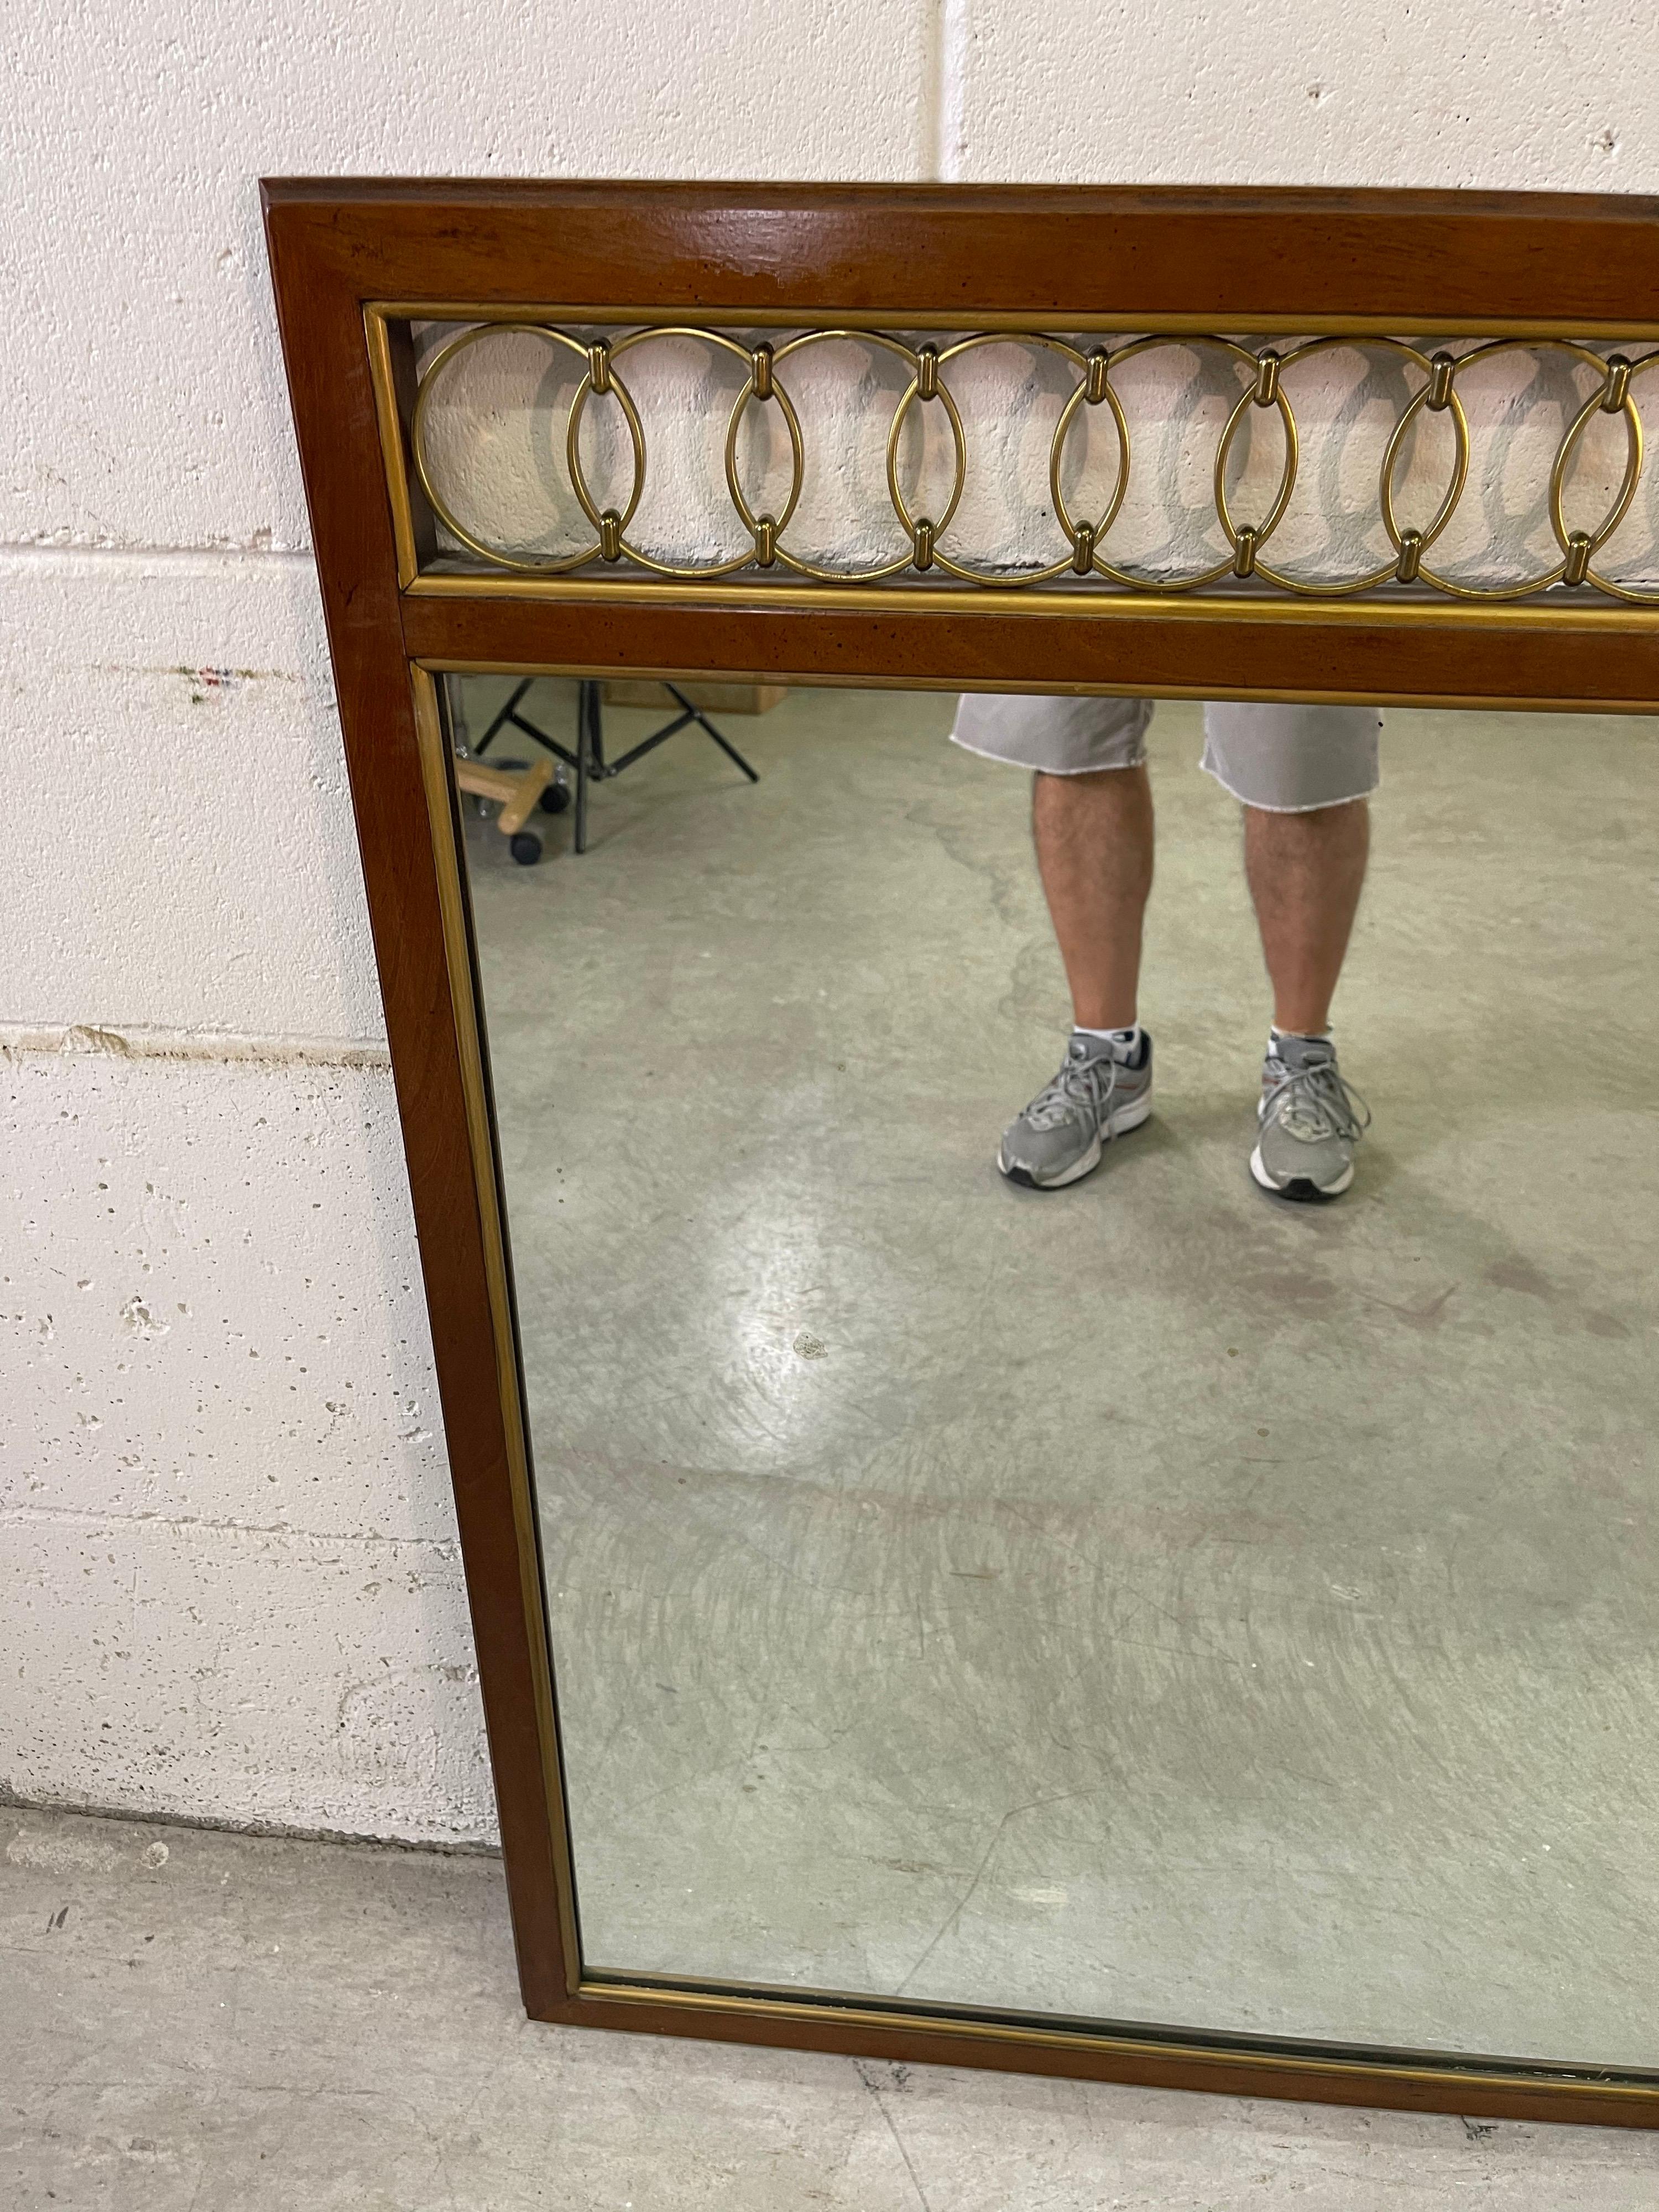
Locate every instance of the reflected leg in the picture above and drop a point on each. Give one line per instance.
(1306, 871)
(1303, 775)
(1094, 846)
(1094, 841)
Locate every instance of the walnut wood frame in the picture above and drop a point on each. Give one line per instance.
(910, 257)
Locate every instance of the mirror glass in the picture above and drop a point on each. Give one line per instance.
(1145, 1598)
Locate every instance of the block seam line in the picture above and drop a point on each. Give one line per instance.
(67, 1806)
(23, 1512)
(23, 553)
(946, 37)
(21, 1041)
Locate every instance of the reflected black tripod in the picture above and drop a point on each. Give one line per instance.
(588, 760)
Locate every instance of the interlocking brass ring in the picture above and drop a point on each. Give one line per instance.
(1624, 403)
(1439, 379)
(938, 559)
(439, 362)
(921, 549)
(1262, 531)
(1084, 552)
(794, 561)
(1442, 582)
(755, 524)
(1139, 583)
(682, 572)
(1313, 587)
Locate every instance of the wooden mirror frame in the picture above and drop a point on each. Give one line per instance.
(351, 262)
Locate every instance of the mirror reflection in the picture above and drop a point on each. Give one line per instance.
(1075, 1476)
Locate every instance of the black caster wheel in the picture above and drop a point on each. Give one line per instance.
(556, 799)
(526, 847)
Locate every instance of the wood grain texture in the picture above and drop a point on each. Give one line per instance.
(1422, 257)
(1214, 2069)
(1312, 657)
(323, 343)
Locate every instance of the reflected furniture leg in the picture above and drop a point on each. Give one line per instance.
(585, 697)
(588, 760)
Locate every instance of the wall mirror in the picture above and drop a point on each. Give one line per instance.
(1139, 1628)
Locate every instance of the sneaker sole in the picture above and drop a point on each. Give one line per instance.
(1301, 1188)
(1117, 1125)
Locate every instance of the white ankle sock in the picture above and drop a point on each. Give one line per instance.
(1302, 1036)
(1125, 1043)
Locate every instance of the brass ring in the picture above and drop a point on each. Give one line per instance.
(1534, 346)
(1056, 453)
(793, 561)
(1260, 531)
(942, 522)
(1003, 579)
(435, 369)
(1222, 568)
(752, 521)
(1300, 585)
(679, 571)
(1448, 507)
(1628, 491)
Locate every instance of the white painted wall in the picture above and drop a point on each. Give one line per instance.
(229, 1584)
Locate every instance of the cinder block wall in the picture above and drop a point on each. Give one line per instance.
(229, 1579)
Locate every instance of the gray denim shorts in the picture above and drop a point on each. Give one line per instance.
(1286, 760)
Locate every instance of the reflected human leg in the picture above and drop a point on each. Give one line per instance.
(1306, 871)
(1091, 822)
(1303, 774)
(1094, 842)
(1091, 818)
(1093, 835)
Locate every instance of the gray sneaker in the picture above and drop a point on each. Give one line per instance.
(1059, 1138)
(1311, 1121)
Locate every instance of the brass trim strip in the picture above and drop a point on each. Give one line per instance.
(392, 446)
(953, 599)
(967, 318)
(437, 778)
(379, 340)
(967, 2028)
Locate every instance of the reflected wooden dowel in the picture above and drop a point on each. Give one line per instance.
(517, 789)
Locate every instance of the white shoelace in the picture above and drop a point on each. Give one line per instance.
(1317, 1102)
(1078, 1086)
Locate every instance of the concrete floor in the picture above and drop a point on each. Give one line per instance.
(1136, 1602)
(199, 2023)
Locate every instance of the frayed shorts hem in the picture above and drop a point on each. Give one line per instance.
(1279, 757)
(1260, 806)
(1087, 767)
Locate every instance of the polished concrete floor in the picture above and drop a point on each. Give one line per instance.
(1140, 1602)
(198, 2022)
